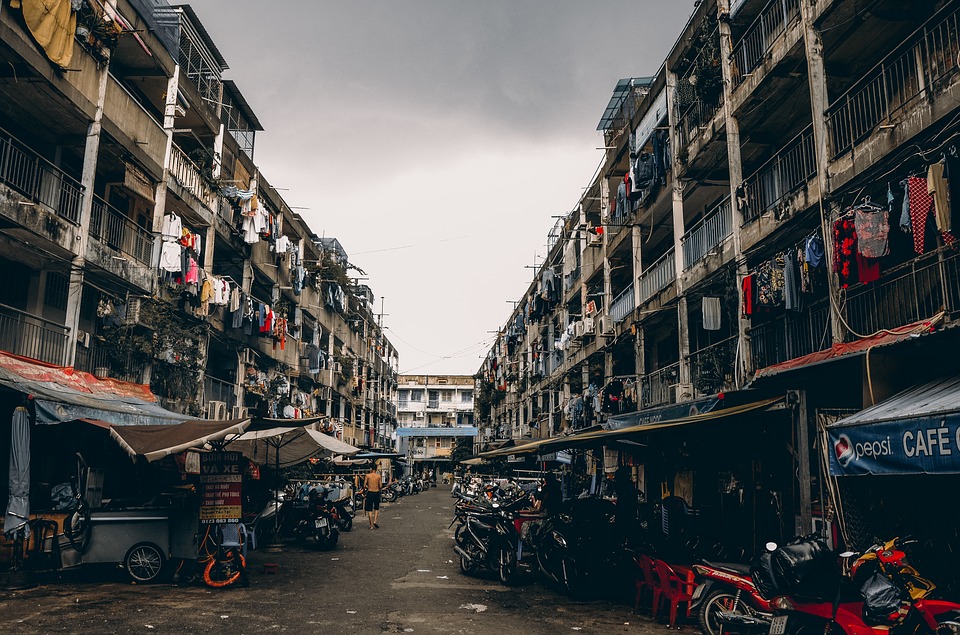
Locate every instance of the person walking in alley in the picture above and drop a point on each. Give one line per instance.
(372, 484)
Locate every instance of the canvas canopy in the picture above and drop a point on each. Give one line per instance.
(286, 446)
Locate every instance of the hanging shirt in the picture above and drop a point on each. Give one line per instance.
(193, 273)
(172, 227)
(170, 257)
(937, 186)
(872, 227)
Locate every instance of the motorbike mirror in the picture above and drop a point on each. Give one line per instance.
(771, 547)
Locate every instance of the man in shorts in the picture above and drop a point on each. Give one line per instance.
(372, 483)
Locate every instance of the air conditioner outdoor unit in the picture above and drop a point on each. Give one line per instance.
(217, 410)
(588, 325)
(594, 239)
(420, 415)
(606, 325)
(578, 329)
(239, 412)
(680, 392)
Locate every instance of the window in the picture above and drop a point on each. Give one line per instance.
(466, 396)
(55, 291)
(438, 442)
(446, 442)
(416, 395)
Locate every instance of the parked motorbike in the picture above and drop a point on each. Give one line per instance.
(727, 599)
(341, 508)
(489, 540)
(325, 530)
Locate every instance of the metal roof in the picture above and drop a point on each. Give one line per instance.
(935, 398)
(620, 93)
(230, 86)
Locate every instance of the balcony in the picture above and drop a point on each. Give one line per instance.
(922, 62)
(784, 173)
(712, 368)
(39, 180)
(187, 174)
(31, 336)
(916, 290)
(707, 234)
(94, 360)
(791, 335)
(655, 387)
(115, 230)
(623, 305)
(757, 41)
(657, 276)
(694, 111)
(219, 390)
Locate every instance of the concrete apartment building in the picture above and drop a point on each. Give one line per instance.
(771, 126)
(131, 211)
(433, 411)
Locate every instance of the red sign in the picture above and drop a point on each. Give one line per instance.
(221, 483)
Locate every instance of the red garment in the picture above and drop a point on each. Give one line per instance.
(868, 269)
(749, 295)
(267, 327)
(921, 203)
(845, 251)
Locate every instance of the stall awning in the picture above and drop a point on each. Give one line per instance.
(424, 431)
(604, 437)
(286, 446)
(156, 442)
(65, 394)
(914, 432)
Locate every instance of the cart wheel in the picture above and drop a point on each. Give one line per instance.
(144, 562)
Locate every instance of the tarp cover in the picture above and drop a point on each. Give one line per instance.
(53, 24)
(65, 394)
(288, 446)
(18, 505)
(156, 442)
(914, 432)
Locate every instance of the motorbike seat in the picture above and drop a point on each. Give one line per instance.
(478, 525)
(732, 567)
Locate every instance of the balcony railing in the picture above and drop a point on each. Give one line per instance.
(791, 335)
(112, 228)
(96, 361)
(749, 52)
(707, 234)
(927, 57)
(31, 336)
(655, 386)
(657, 276)
(693, 111)
(712, 367)
(39, 180)
(188, 175)
(623, 305)
(783, 174)
(914, 291)
(219, 390)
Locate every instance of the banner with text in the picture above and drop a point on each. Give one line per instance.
(922, 445)
(221, 483)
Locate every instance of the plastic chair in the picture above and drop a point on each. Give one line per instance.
(234, 535)
(675, 589)
(647, 580)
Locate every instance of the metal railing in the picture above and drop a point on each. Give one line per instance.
(712, 367)
(655, 386)
(914, 291)
(913, 68)
(657, 276)
(707, 234)
(96, 361)
(571, 279)
(791, 335)
(692, 111)
(749, 52)
(188, 175)
(112, 228)
(219, 390)
(39, 180)
(784, 173)
(623, 305)
(32, 336)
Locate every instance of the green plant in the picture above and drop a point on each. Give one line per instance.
(462, 451)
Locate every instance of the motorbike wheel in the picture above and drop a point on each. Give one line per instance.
(508, 565)
(467, 567)
(458, 534)
(717, 601)
(346, 523)
(572, 581)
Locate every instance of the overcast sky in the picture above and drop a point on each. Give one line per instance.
(436, 139)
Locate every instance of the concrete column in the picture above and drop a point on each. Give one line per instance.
(160, 198)
(677, 189)
(744, 360)
(683, 335)
(91, 151)
(819, 102)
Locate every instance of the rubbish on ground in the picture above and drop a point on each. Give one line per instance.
(442, 577)
(351, 612)
(476, 608)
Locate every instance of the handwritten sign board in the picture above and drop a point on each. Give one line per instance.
(221, 482)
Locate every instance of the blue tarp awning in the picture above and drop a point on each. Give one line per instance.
(914, 432)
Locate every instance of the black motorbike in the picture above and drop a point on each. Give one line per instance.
(489, 540)
(340, 508)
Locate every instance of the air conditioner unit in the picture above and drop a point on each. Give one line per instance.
(420, 414)
(594, 240)
(588, 325)
(578, 329)
(217, 410)
(606, 325)
(680, 392)
(133, 311)
(239, 412)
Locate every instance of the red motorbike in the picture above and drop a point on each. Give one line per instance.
(881, 595)
(727, 600)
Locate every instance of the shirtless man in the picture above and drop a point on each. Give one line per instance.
(372, 483)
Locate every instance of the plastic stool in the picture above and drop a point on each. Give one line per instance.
(271, 568)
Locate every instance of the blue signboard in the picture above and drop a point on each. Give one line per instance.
(921, 445)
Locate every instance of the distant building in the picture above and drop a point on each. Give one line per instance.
(433, 411)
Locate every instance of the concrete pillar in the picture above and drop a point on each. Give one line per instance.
(91, 151)
(819, 102)
(683, 335)
(744, 359)
(160, 198)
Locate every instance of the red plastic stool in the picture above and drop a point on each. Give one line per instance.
(271, 568)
